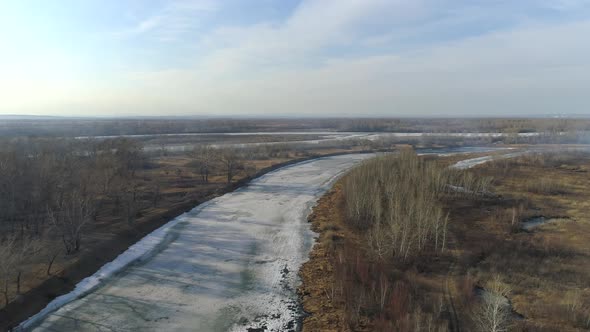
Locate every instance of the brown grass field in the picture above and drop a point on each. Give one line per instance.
(546, 269)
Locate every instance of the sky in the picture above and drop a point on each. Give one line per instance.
(295, 58)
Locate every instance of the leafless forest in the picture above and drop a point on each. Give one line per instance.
(70, 202)
(395, 199)
(396, 203)
(75, 127)
(413, 245)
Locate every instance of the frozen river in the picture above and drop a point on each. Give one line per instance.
(229, 264)
(319, 137)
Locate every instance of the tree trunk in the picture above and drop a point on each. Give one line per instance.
(18, 282)
(51, 264)
(6, 292)
(66, 245)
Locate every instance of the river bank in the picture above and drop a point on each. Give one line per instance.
(64, 278)
(229, 262)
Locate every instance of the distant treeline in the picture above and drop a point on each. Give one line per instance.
(471, 125)
(114, 127)
(72, 127)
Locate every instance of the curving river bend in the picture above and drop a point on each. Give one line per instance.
(228, 265)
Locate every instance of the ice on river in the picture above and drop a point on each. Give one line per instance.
(470, 163)
(229, 264)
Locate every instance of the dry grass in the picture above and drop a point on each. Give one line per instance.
(547, 269)
(344, 291)
(546, 186)
(382, 234)
(550, 264)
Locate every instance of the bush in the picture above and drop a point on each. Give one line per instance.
(546, 186)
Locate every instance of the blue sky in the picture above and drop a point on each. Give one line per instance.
(287, 57)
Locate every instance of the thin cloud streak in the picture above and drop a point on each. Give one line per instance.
(172, 21)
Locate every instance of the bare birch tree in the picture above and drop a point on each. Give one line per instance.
(396, 199)
(69, 217)
(230, 160)
(205, 159)
(493, 313)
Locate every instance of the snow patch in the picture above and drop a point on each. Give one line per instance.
(470, 163)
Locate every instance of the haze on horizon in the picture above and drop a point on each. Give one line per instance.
(322, 57)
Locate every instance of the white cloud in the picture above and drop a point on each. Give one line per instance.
(352, 57)
(538, 69)
(174, 19)
(315, 26)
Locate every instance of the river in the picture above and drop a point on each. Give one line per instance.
(229, 264)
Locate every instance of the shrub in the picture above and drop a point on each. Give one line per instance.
(546, 186)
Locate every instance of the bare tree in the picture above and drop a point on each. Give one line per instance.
(53, 252)
(26, 248)
(130, 156)
(205, 160)
(230, 159)
(493, 312)
(107, 168)
(58, 182)
(69, 217)
(396, 199)
(156, 193)
(384, 288)
(130, 192)
(380, 242)
(7, 264)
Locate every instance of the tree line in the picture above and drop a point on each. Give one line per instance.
(52, 191)
(396, 200)
(395, 204)
(52, 188)
(72, 127)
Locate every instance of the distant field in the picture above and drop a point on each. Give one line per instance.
(74, 127)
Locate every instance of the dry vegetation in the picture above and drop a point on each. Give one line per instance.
(562, 130)
(407, 245)
(491, 276)
(394, 231)
(69, 206)
(395, 199)
(547, 268)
